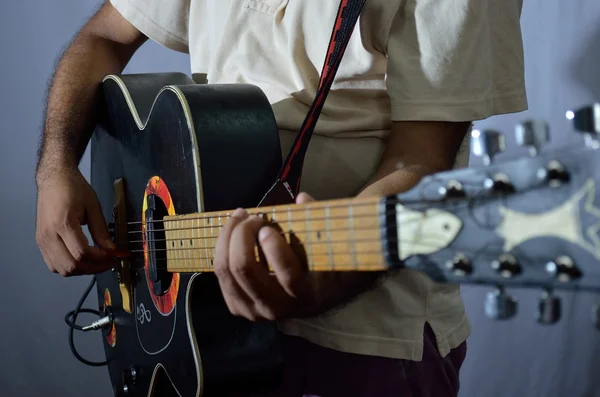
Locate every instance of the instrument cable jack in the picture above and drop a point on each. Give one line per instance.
(71, 318)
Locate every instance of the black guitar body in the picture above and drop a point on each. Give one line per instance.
(183, 342)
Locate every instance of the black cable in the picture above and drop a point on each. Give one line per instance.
(73, 326)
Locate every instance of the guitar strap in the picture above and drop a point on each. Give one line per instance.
(347, 16)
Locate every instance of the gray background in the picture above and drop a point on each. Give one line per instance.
(516, 358)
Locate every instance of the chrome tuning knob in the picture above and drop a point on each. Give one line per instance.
(549, 308)
(487, 144)
(532, 134)
(587, 121)
(499, 305)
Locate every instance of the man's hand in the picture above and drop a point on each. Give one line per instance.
(103, 46)
(65, 202)
(252, 292)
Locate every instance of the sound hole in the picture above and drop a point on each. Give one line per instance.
(157, 246)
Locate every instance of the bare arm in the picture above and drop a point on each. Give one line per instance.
(415, 149)
(65, 200)
(103, 46)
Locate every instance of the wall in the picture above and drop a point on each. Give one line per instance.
(36, 360)
(516, 358)
(520, 358)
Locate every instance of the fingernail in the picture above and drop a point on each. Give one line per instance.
(264, 232)
(239, 213)
(110, 244)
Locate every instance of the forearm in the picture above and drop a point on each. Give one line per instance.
(73, 100)
(104, 46)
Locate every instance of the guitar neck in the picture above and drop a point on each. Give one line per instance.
(336, 235)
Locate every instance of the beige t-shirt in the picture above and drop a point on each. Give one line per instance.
(451, 60)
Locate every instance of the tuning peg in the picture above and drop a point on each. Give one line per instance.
(563, 269)
(549, 308)
(587, 121)
(487, 144)
(499, 305)
(532, 134)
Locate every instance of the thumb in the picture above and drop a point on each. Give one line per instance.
(304, 198)
(97, 225)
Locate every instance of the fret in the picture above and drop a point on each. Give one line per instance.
(328, 232)
(316, 246)
(212, 244)
(187, 227)
(351, 236)
(307, 232)
(340, 235)
(201, 223)
(219, 225)
(191, 255)
(178, 233)
(289, 220)
(172, 240)
(367, 235)
(203, 251)
(196, 251)
(168, 253)
(185, 252)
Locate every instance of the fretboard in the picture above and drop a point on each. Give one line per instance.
(337, 235)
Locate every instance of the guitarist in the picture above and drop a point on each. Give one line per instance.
(415, 75)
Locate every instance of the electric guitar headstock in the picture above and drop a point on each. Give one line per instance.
(529, 222)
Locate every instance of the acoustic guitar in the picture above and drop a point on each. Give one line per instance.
(171, 159)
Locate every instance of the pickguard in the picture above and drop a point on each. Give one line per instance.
(155, 316)
(154, 330)
(165, 304)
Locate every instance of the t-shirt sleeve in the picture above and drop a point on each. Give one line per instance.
(163, 21)
(455, 60)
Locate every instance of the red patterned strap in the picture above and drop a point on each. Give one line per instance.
(291, 171)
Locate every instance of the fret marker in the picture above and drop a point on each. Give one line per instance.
(318, 234)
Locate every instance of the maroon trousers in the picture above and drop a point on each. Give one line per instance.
(315, 371)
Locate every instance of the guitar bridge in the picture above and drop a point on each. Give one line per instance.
(121, 238)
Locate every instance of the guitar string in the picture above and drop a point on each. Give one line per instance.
(468, 203)
(294, 231)
(312, 243)
(422, 243)
(294, 208)
(276, 221)
(335, 204)
(374, 228)
(287, 220)
(377, 228)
